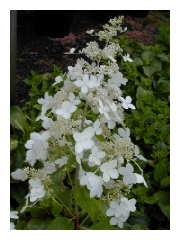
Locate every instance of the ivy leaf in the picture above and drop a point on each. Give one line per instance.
(61, 223)
(102, 226)
(17, 118)
(90, 205)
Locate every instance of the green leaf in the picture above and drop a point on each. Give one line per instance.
(38, 224)
(18, 160)
(160, 171)
(37, 212)
(103, 207)
(165, 182)
(57, 208)
(46, 203)
(61, 223)
(18, 192)
(17, 118)
(102, 226)
(148, 71)
(64, 196)
(58, 176)
(138, 61)
(150, 199)
(139, 104)
(156, 64)
(139, 227)
(37, 106)
(90, 205)
(147, 56)
(164, 197)
(163, 57)
(164, 86)
(165, 209)
(140, 219)
(21, 225)
(144, 95)
(13, 142)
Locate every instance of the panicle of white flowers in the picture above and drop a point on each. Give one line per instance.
(62, 126)
(92, 51)
(111, 30)
(116, 190)
(81, 123)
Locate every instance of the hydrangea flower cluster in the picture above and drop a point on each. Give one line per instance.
(84, 117)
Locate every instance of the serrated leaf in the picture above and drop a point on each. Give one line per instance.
(17, 118)
(102, 226)
(38, 224)
(90, 205)
(61, 223)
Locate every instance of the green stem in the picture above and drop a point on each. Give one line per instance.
(77, 227)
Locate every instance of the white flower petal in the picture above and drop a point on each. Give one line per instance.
(114, 221)
(84, 89)
(113, 173)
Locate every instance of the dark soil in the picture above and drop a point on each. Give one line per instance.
(39, 51)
